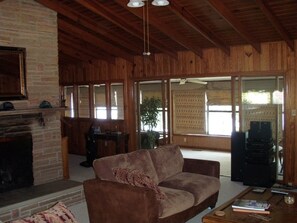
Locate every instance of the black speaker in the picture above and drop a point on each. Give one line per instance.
(259, 175)
(238, 144)
(260, 131)
(260, 156)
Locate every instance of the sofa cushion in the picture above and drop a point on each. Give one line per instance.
(138, 179)
(139, 160)
(201, 186)
(59, 213)
(176, 201)
(168, 160)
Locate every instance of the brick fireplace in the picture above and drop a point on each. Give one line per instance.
(45, 142)
(28, 24)
(16, 162)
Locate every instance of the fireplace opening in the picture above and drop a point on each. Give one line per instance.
(16, 160)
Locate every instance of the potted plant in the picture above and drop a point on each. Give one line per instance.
(149, 117)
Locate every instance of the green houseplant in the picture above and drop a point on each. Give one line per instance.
(149, 117)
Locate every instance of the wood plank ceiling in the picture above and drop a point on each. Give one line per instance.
(105, 29)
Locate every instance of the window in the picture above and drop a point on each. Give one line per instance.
(83, 101)
(200, 108)
(78, 98)
(262, 100)
(100, 110)
(153, 90)
(220, 119)
(117, 100)
(150, 90)
(159, 127)
(255, 97)
(69, 101)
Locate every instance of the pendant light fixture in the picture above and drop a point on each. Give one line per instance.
(160, 3)
(146, 34)
(140, 3)
(146, 31)
(135, 3)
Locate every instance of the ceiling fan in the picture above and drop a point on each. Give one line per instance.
(191, 80)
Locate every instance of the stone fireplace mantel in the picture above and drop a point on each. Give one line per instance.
(38, 112)
(31, 111)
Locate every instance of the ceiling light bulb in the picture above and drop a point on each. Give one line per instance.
(160, 2)
(135, 3)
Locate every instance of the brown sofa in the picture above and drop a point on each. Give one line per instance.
(189, 186)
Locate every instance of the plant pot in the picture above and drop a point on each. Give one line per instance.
(149, 139)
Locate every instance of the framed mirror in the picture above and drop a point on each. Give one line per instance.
(12, 73)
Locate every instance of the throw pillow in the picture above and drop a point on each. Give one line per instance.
(138, 179)
(59, 213)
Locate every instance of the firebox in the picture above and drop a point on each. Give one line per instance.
(16, 160)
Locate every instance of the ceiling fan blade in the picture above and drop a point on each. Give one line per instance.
(182, 81)
(188, 80)
(197, 81)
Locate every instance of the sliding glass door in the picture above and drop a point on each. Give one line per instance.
(262, 101)
(214, 107)
(152, 94)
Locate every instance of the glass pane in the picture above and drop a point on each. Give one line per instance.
(100, 111)
(69, 101)
(262, 101)
(219, 119)
(257, 102)
(199, 104)
(117, 100)
(149, 91)
(152, 132)
(83, 101)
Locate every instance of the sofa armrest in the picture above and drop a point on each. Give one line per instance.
(109, 201)
(205, 167)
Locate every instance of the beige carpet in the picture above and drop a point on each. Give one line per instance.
(223, 157)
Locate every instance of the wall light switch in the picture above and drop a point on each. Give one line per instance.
(293, 112)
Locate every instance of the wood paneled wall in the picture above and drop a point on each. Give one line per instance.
(76, 128)
(275, 58)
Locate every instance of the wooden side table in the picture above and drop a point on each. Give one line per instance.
(279, 210)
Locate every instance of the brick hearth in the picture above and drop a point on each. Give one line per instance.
(27, 201)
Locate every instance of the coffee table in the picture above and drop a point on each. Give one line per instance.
(279, 211)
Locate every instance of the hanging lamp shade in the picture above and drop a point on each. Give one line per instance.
(160, 2)
(135, 3)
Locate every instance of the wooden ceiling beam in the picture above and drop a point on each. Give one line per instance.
(83, 21)
(275, 22)
(74, 54)
(86, 48)
(88, 37)
(168, 31)
(190, 19)
(229, 17)
(106, 13)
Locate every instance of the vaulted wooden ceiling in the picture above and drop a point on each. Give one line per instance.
(105, 29)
